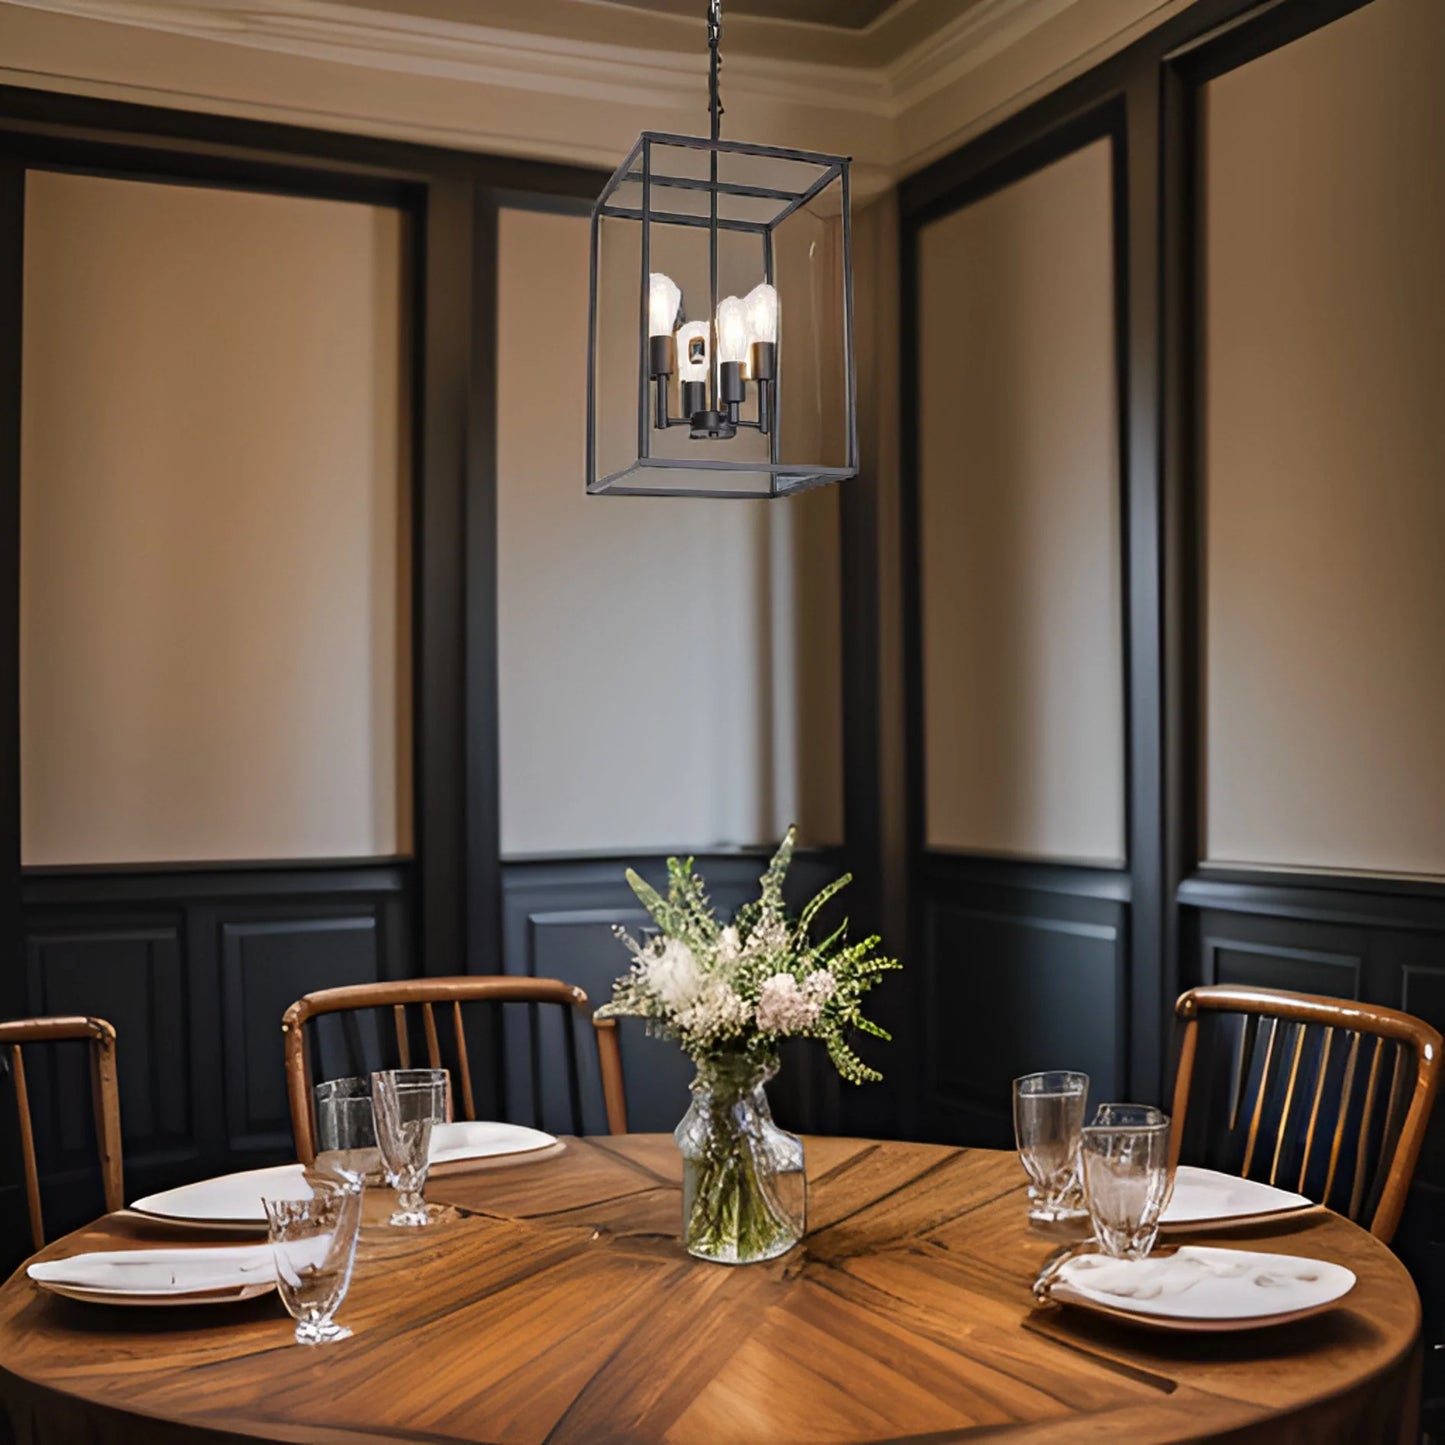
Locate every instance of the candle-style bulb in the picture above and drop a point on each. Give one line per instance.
(761, 307)
(664, 304)
(732, 330)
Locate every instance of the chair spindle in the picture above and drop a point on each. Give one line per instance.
(1260, 1095)
(1324, 1066)
(403, 1041)
(464, 1064)
(574, 1081)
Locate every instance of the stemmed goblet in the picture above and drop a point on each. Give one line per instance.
(406, 1104)
(313, 1241)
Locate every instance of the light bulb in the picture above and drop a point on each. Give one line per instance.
(761, 306)
(692, 351)
(732, 330)
(664, 302)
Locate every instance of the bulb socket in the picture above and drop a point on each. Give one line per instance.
(731, 387)
(694, 397)
(661, 355)
(763, 360)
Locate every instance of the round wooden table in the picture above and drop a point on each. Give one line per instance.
(555, 1303)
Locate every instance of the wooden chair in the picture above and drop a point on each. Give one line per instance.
(428, 993)
(609, 1051)
(1326, 1097)
(101, 1037)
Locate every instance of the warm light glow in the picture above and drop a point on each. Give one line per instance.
(732, 330)
(761, 307)
(664, 303)
(692, 351)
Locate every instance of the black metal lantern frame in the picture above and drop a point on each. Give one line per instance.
(732, 432)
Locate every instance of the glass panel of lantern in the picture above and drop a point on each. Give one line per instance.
(758, 400)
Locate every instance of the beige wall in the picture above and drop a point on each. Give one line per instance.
(1325, 449)
(1019, 496)
(214, 634)
(669, 667)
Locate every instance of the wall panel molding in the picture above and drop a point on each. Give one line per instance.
(1023, 967)
(269, 958)
(194, 969)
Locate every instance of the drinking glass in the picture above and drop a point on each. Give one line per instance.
(1126, 1177)
(1048, 1115)
(407, 1102)
(1124, 1116)
(346, 1129)
(314, 1244)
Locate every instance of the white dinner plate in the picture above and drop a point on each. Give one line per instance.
(233, 1201)
(1196, 1288)
(161, 1276)
(1207, 1197)
(230, 1201)
(483, 1139)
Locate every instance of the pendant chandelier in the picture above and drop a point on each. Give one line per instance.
(721, 321)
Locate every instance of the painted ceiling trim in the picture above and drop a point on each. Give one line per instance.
(873, 110)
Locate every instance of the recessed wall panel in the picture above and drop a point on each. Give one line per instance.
(1019, 520)
(214, 617)
(670, 668)
(1323, 449)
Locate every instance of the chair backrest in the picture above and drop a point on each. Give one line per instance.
(1326, 1097)
(428, 993)
(101, 1038)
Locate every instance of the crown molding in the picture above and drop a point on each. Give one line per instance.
(587, 91)
(659, 78)
(973, 39)
(428, 46)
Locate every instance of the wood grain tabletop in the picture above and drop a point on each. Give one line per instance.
(553, 1302)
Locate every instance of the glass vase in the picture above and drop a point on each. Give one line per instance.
(744, 1194)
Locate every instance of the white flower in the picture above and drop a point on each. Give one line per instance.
(729, 945)
(768, 938)
(784, 1008)
(671, 972)
(716, 1012)
(820, 985)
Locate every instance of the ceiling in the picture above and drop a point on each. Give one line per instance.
(840, 14)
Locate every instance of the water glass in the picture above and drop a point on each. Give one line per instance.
(407, 1102)
(1048, 1118)
(314, 1244)
(1126, 1177)
(346, 1129)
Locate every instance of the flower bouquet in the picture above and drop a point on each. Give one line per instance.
(730, 993)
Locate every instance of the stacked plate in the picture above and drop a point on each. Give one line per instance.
(1195, 1288)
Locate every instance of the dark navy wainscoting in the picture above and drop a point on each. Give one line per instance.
(1017, 967)
(194, 968)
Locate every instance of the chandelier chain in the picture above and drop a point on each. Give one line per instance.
(714, 42)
